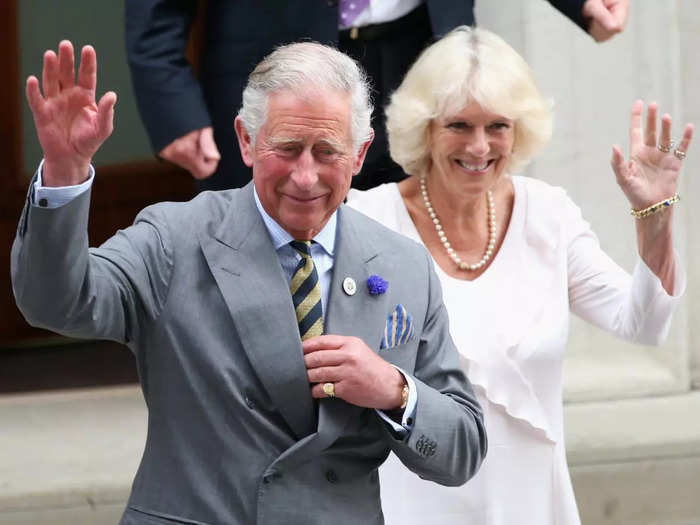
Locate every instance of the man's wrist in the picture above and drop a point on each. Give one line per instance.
(59, 174)
(400, 394)
(404, 396)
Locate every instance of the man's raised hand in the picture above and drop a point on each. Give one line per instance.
(70, 124)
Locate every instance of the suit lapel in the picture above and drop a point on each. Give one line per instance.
(247, 270)
(362, 315)
(357, 255)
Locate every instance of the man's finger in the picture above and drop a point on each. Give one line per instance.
(317, 391)
(207, 144)
(323, 342)
(105, 114)
(182, 151)
(620, 11)
(599, 13)
(186, 143)
(203, 167)
(325, 374)
(607, 21)
(66, 65)
(322, 358)
(34, 98)
(49, 75)
(87, 72)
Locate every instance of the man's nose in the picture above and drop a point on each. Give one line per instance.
(305, 172)
(478, 144)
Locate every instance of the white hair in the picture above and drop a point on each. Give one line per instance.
(467, 65)
(299, 67)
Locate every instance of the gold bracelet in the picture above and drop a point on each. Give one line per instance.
(655, 208)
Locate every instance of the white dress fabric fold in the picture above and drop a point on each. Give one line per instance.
(511, 326)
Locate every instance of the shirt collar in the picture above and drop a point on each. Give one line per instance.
(280, 237)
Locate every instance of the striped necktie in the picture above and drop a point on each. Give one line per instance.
(306, 293)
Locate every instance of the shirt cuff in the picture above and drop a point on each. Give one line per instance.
(408, 413)
(55, 197)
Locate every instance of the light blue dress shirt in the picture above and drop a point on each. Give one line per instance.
(322, 251)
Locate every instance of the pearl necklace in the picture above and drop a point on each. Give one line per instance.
(443, 238)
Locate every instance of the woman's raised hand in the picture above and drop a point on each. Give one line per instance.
(651, 174)
(70, 125)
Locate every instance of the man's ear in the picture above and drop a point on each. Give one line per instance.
(245, 142)
(360, 156)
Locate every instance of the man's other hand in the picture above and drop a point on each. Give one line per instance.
(196, 152)
(608, 17)
(359, 375)
(70, 125)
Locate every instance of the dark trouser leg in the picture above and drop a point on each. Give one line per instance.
(386, 59)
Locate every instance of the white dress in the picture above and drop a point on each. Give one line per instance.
(511, 327)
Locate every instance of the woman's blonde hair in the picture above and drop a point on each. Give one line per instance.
(467, 65)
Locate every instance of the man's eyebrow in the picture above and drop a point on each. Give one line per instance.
(331, 143)
(287, 141)
(283, 141)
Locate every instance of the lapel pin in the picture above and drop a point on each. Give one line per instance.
(349, 286)
(376, 285)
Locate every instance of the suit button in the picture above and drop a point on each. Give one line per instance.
(331, 476)
(249, 402)
(269, 478)
(332, 3)
(43, 203)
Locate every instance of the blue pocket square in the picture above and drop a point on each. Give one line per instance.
(398, 329)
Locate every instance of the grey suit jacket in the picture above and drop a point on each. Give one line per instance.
(197, 292)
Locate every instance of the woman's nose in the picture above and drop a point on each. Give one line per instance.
(478, 144)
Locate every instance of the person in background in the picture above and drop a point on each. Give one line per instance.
(189, 118)
(515, 256)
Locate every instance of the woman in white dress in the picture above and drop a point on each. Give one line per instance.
(515, 257)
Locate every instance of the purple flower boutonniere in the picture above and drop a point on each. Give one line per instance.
(376, 285)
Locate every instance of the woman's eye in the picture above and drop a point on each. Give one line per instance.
(500, 125)
(459, 125)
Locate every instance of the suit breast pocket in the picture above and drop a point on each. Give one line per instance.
(398, 330)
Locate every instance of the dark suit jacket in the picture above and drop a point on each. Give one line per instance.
(197, 292)
(237, 35)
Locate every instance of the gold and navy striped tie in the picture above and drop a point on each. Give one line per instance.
(306, 293)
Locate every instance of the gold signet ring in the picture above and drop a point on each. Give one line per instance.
(329, 389)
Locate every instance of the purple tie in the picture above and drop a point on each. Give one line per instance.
(349, 10)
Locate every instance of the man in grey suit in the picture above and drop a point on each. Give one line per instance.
(284, 343)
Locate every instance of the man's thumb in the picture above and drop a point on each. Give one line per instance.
(207, 144)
